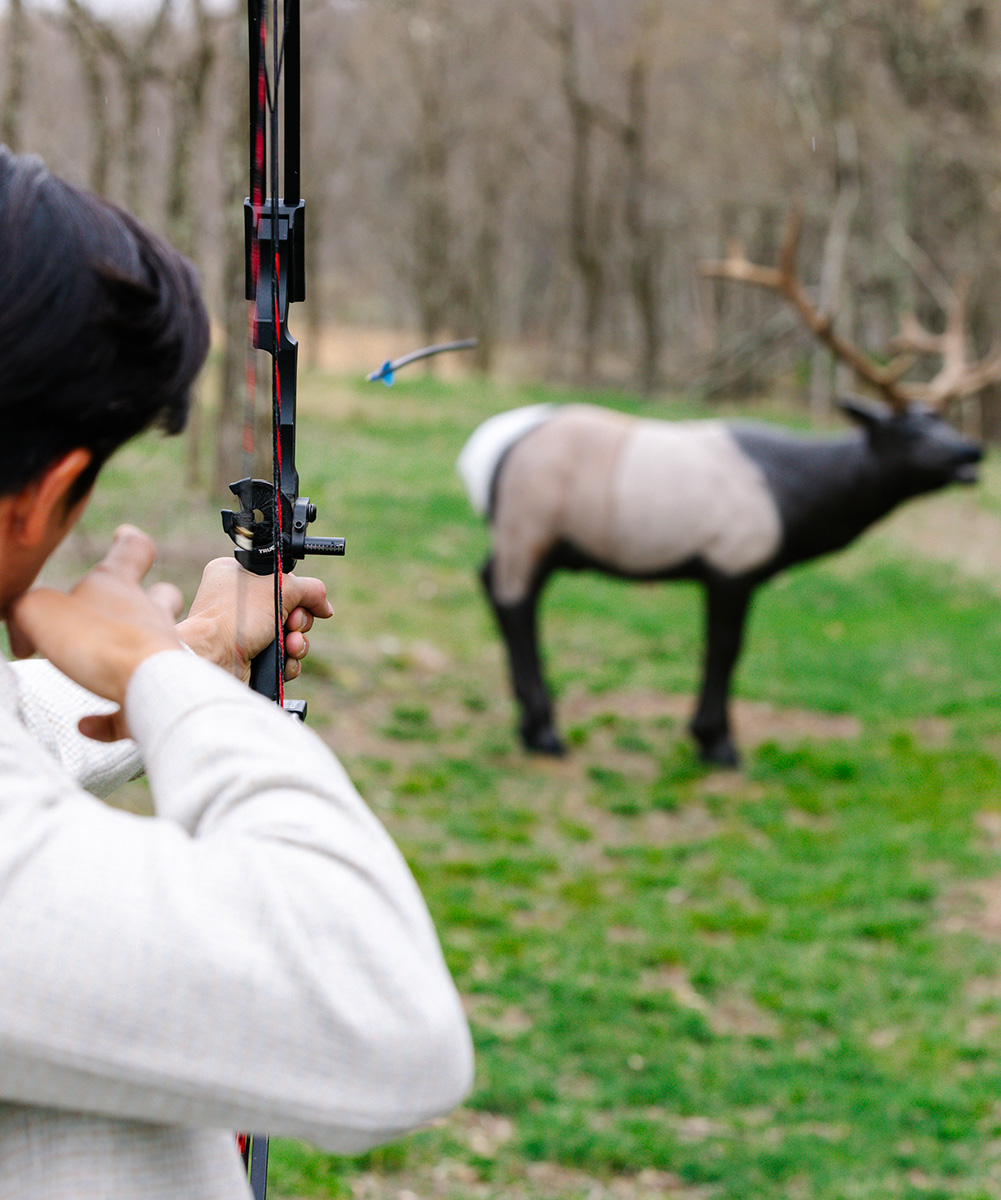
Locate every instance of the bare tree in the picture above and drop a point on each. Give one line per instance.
(589, 217)
(189, 101)
(135, 61)
(431, 212)
(645, 233)
(943, 60)
(425, 50)
(81, 28)
(494, 122)
(17, 61)
(99, 40)
(956, 377)
(233, 375)
(832, 270)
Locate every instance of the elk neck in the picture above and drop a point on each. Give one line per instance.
(827, 490)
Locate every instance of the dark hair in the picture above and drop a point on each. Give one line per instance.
(102, 327)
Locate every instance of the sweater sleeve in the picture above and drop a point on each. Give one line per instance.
(51, 706)
(257, 955)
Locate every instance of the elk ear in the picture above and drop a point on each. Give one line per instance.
(870, 414)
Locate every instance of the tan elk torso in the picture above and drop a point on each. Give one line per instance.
(636, 496)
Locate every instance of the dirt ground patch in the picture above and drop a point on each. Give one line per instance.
(952, 527)
(754, 721)
(485, 1135)
(451, 1180)
(976, 907)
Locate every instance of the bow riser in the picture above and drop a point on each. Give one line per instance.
(271, 310)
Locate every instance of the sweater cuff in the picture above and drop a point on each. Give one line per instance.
(171, 685)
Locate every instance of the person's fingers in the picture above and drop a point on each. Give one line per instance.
(131, 554)
(107, 727)
(167, 598)
(307, 593)
(299, 621)
(296, 646)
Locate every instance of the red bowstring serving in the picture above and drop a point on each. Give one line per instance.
(250, 408)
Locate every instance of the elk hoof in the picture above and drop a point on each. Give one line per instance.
(543, 741)
(718, 752)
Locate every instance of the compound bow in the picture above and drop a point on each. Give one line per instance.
(270, 527)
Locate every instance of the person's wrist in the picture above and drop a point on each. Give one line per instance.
(131, 654)
(197, 634)
(201, 635)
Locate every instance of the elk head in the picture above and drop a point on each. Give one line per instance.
(914, 444)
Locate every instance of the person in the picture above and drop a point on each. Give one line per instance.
(254, 956)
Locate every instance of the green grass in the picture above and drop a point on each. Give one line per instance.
(768, 983)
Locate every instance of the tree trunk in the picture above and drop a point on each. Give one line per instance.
(190, 94)
(827, 375)
(645, 244)
(17, 61)
(137, 69)
(189, 111)
(234, 381)
(585, 219)
(431, 217)
(81, 26)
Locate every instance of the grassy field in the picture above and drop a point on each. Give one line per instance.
(777, 982)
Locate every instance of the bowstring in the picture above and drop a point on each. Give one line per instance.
(278, 46)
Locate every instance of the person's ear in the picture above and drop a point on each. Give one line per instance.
(43, 503)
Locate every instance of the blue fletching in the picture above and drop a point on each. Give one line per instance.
(392, 365)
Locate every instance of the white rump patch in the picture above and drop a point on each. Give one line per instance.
(477, 462)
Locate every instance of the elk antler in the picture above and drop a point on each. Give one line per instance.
(955, 378)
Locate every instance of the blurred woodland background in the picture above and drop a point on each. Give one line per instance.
(547, 174)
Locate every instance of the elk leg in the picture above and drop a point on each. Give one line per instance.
(726, 609)
(518, 626)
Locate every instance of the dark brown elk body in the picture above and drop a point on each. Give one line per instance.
(728, 505)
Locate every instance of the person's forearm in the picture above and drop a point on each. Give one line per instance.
(50, 706)
(259, 956)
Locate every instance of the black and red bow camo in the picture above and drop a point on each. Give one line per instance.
(270, 527)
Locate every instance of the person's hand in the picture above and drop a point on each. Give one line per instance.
(98, 633)
(232, 617)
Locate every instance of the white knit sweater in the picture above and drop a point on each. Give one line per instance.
(256, 956)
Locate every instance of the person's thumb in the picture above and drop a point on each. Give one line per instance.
(167, 598)
(106, 727)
